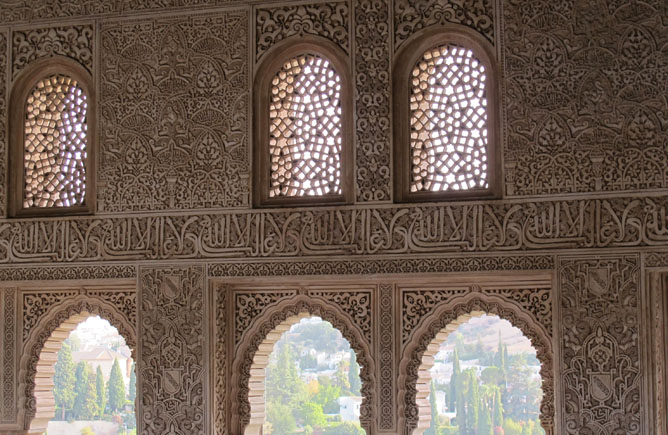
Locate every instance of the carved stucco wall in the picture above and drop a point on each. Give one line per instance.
(584, 111)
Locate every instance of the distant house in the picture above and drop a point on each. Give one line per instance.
(104, 358)
(349, 408)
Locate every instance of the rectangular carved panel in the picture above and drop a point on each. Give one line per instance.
(172, 350)
(8, 363)
(220, 358)
(76, 42)
(174, 100)
(600, 345)
(386, 357)
(576, 122)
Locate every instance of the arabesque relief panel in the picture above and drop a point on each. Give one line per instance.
(174, 105)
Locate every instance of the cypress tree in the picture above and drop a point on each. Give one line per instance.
(472, 402)
(63, 380)
(353, 375)
(485, 425)
(101, 393)
(90, 408)
(80, 390)
(116, 388)
(462, 420)
(454, 382)
(498, 409)
(433, 423)
(132, 394)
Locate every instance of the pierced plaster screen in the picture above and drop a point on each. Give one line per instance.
(55, 144)
(305, 137)
(448, 118)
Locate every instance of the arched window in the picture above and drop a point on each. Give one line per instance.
(446, 117)
(303, 113)
(52, 132)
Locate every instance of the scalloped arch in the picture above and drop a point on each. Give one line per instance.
(267, 328)
(47, 335)
(413, 370)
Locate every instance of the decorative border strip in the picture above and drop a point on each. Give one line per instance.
(8, 358)
(55, 273)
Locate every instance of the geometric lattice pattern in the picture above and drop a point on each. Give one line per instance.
(55, 144)
(448, 117)
(305, 129)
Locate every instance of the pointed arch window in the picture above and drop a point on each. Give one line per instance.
(52, 135)
(303, 110)
(446, 117)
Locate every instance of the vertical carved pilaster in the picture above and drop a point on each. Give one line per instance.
(172, 350)
(8, 352)
(600, 345)
(220, 358)
(386, 352)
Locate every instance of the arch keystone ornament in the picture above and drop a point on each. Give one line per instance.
(434, 328)
(248, 368)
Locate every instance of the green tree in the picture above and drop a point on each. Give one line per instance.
(454, 382)
(116, 388)
(327, 396)
(472, 401)
(132, 393)
(345, 428)
(101, 392)
(81, 374)
(312, 415)
(90, 404)
(497, 417)
(510, 427)
(64, 380)
(485, 425)
(280, 417)
(433, 422)
(283, 383)
(354, 375)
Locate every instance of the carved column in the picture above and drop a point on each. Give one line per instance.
(600, 345)
(171, 363)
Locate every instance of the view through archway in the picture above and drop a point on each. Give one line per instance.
(485, 380)
(312, 382)
(94, 382)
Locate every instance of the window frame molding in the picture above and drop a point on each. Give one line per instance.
(405, 60)
(21, 88)
(265, 72)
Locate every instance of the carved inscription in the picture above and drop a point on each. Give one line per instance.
(600, 345)
(329, 20)
(599, 223)
(75, 42)
(174, 119)
(172, 350)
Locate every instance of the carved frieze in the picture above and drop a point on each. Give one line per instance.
(220, 360)
(372, 106)
(76, 42)
(57, 273)
(8, 364)
(585, 108)
(600, 345)
(329, 20)
(172, 350)
(174, 105)
(383, 230)
(413, 15)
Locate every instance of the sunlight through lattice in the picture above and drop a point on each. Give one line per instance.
(448, 107)
(55, 144)
(305, 129)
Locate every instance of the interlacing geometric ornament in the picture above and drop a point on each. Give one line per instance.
(305, 128)
(448, 116)
(55, 143)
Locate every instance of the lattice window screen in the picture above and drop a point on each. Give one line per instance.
(305, 129)
(448, 119)
(55, 144)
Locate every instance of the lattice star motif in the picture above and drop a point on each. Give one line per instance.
(448, 107)
(55, 144)
(305, 129)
